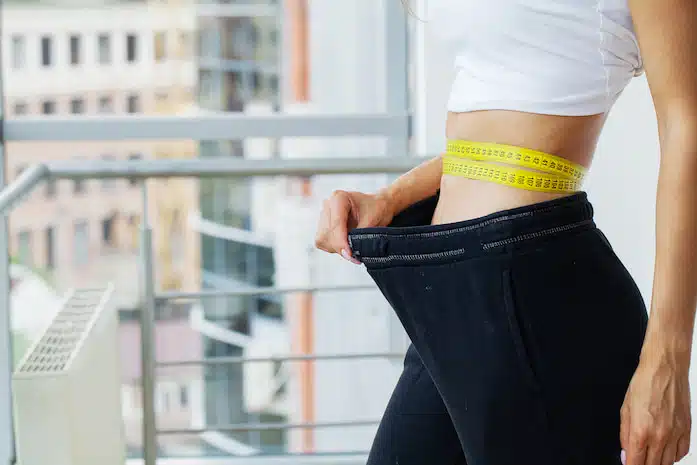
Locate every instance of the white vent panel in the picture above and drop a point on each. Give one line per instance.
(67, 389)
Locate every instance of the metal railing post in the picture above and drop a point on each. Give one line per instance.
(147, 335)
(7, 433)
(7, 439)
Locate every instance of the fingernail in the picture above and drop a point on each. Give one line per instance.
(348, 257)
(623, 457)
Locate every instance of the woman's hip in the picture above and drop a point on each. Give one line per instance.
(543, 267)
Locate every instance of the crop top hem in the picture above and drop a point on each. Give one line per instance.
(586, 109)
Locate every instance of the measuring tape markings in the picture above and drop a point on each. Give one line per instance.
(474, 160)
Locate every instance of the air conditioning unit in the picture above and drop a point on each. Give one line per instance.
(67, 388)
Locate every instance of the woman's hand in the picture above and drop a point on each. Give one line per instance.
(655, 417)
(347, 210)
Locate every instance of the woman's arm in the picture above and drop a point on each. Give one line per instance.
(417, 184)
(656, 413)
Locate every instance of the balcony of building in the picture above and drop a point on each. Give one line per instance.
(164, 167)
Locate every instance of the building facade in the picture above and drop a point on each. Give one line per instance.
(238, 71)
(108, 59)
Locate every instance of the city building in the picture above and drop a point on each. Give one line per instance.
(259, 232)
(110, 58)
(239, 71)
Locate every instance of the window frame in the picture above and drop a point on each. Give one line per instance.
(104, 54)
(46, 52)
(75, 49)
(131, 48)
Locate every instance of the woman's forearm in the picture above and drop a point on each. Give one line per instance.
(675, 276)
(417, 184)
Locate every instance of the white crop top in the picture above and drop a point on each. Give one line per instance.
(560, 57)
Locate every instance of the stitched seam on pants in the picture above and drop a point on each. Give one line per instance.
(447, 232)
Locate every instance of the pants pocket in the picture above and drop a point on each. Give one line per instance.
(517, 335)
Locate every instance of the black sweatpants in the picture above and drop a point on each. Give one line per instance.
(526, 330)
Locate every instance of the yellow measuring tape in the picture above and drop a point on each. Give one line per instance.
(476, 160)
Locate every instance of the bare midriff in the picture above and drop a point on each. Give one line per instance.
(571, 137)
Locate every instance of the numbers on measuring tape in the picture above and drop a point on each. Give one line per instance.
(473, 160)
(547, 163)
(473, 169)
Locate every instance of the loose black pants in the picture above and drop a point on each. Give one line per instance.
(526, 329)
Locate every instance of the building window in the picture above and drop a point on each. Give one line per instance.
(160, 46)
(48, 107)
(257, 83)
(131, 48)
(183, 396)
(50, 188)
(74, 50)
(108, 183)
(106, 105)
(134, 157)
(24, 249)
(273, 84)
(165, 399)
(253, 34)
(81, 244)
(50, 247)
(103, 49)
(184, 44)
(19, 52)
(133, 104)
(108, 235)
(46, 51)
(177, 244)
(21, 108)
(78, 184)
(77, 106)
(210, 94)
(161, 96)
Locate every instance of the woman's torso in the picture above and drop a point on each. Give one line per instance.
(570, 137)
(540, 74)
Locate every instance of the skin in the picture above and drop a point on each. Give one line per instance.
(655, 416)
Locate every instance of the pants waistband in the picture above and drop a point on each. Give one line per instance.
(414, 243)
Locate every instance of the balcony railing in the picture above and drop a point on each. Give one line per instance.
(199, 128)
